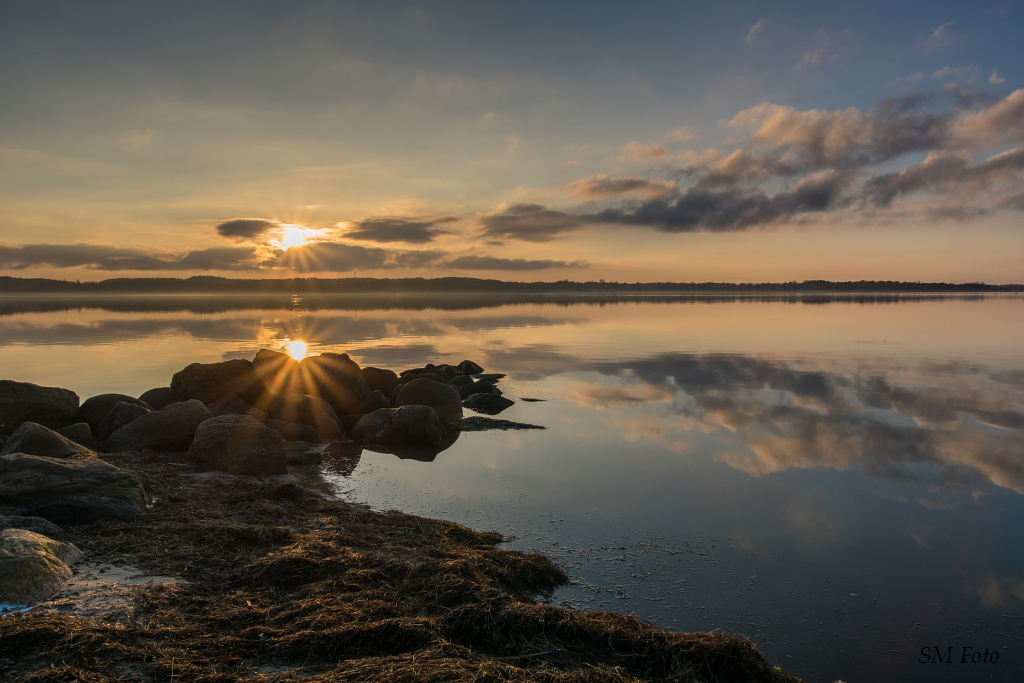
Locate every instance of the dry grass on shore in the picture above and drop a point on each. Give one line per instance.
(283, 584)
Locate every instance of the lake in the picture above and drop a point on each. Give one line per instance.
(838, 479)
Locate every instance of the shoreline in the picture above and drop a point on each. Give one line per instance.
(280, 580)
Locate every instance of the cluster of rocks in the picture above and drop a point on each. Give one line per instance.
(235, 416)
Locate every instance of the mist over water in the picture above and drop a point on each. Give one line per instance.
(840, 482)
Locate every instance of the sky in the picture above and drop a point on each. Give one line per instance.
(538, 141)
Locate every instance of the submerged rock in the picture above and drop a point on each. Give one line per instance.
(240, 445)
(168, 429)
(476, 423)
(444, 399)
(33, 567)
(21, 402)
(414, 424)
(65, 491)
(33, 439)
(120, 415)
(488, 404)
(96, 408)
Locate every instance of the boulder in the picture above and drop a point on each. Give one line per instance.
(168, 429)
(294, 431)
(240, 445)
(95, 409)
(20, 402)
(380, 379)
(37, 525)
(488, 404)
(33, 567)
(308, 410)
(33, 439)
(69, 491)
(414, 424)
(337, 379)
(234, 405)
(81, 434)
(481, 387)
(282, 373)
(468, 367)
(119, 415)
(444, 399)
(158, 398)
(304, 458)
(208, 382)
(461, 380)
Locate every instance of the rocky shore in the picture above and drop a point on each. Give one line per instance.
(209, 481)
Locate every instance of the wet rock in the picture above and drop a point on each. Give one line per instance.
(481, 387)
(81, 434)
(338, 380)
(33, 439)
(234, 405)
(64, 491)
(120, 415)
(476, 423)
(209, 382)
(168, 429)
(444, 399)
(461, 380)
(33, 567)
(21, 402)
(488, 404)
(415, 424)
(95, 408)
(158, 398)
(36, 525)
(468, 367)
(295, 431)
(380, 379)
(491, 376)
(309, 410)
(240, 445)
(303, 458)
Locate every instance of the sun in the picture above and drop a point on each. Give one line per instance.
(296, 348)
(293, 237)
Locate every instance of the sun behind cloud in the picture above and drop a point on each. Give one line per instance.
(293, 236)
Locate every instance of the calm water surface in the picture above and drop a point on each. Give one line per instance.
(840, 482)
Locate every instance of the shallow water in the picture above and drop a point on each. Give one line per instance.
(840, 482)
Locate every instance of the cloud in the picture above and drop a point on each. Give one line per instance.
(396, 229)
(635, 151)
(997, 124)
(105, 257)
(603, 187)
(830, 47)
(994, 79)
(950, 171)
(940, 37)
(246, 228)
(495, 263)
(755, 31)
(512, 142)
(685, 134)
(962, 73)
(529, 222)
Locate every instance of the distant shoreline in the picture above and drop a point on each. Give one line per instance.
(474, 287)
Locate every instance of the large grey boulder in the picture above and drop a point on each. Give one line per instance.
(118, 416)
(208, 382)
(413, 424)
(33, 567)
(157, 398)
(21, 402)
(240, 445)
(95, 408)
(34, 439)
(444, 399)
(80, 434)
(309, 410)
(69, 491)
(337, 379)
(168, 429)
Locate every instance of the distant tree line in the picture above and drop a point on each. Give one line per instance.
(206, 284)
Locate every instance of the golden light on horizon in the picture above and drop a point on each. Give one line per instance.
(296, 348)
